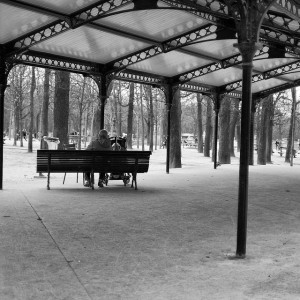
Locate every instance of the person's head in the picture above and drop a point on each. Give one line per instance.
(103, 134)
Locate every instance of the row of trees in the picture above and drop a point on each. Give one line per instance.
(44, 101)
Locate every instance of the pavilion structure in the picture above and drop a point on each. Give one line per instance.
(246, 49)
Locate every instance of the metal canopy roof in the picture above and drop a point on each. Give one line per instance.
(187, 43)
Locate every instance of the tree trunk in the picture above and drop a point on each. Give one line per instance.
(199, 123)
(269, 145)
(213, 132)
(38, 122)
(45, 109)
(156, 122)
(119, 111)
(81, 110)
(96, 117)
(208, 129)
(224, 141)
(290, 141)
(61, 107)
(151, 119)
(163, 125)
(257, 125)
(11, 122)
(262, 141)
(142, 118)
(175, 141)
(130, 116)
(233, 121)
(138, 133)
(17, 133)
(238, 135)
(32, 89)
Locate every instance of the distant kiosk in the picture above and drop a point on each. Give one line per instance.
(188, 140)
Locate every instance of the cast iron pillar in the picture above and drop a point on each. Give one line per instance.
(169, 97)
(3, 82)
(217, 103)
(248, 16)
(247, 50)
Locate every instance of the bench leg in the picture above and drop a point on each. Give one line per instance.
(64, 178)
(134, 180)
(92, 181)
(48, 181)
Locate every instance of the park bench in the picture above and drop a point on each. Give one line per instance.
(74, 161)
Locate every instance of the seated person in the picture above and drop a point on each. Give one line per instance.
(102, 143)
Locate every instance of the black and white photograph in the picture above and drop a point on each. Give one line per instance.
(150, 150)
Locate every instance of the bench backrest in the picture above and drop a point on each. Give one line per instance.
(98, 161)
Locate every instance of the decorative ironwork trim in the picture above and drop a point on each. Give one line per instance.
(139, 77)
(50, 61)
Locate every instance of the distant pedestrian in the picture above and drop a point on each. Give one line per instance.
(24, 133)
(277, 144)
(164, 143)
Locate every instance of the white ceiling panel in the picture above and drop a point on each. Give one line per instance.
(294, 75)
(262, 85)
(170, 64)
(263, 65)
(220, 77)
(219, 49)
(27, 21)
(90, 44)
(159, 24)
(62, 6)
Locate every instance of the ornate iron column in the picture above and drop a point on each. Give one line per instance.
(248, 15)
(247, 50)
